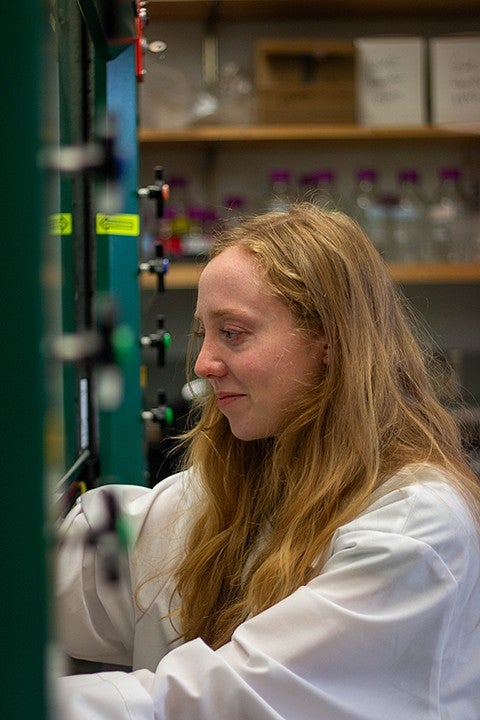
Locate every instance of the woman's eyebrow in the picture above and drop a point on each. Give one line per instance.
(222, 313)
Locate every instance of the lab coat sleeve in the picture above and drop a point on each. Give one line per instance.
(96, 618)
(366, 636)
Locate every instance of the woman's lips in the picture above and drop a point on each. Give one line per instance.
(224, 399)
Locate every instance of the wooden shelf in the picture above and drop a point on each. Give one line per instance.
(180, 276)
(252, 134)
(231, 10)
(183, 276)
(441, 273)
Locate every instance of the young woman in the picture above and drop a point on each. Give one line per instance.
(319, 556)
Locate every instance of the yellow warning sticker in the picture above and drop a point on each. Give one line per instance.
(60, 224)
(117, 224)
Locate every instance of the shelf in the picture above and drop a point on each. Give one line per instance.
(252, 134)
(180, 276)
(231, 10)
(185, 275)
(441, 273)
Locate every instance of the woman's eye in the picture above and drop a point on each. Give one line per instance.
(231, 334)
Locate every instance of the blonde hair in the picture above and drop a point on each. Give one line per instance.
(271, 506)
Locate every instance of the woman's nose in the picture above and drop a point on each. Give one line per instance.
(209, 362)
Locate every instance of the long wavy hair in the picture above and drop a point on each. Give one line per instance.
(270, 507)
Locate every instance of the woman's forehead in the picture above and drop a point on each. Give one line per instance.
(231, 269)
(231, 284)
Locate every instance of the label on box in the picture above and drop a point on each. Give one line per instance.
(390, 80)
(455, 79)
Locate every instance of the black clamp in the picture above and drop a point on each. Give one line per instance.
(158, 265)
(162, 414)
(161, 340)
(158, 192)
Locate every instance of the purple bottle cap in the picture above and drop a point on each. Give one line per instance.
(367, 174)
(234, 202)
(280, 175)
(195, 213)
(449, 173)
(324, 176)
(408, 176)
(307, 180)
(210, 215)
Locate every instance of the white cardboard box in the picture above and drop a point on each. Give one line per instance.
(391, 80)
(455, 79)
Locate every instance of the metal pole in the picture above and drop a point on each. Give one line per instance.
(23, 554)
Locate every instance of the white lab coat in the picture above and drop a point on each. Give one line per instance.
(388, 630)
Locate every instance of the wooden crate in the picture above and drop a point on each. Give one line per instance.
(305, 80)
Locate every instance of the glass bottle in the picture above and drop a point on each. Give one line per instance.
(448, 220)
(171, 242)
(389, 202)
(365, 193)
(178, 204)
(210, 227)
(233, 209)
(367, 209)
(306, 187)
(410, 240)
(193, 240)
(324, 190)
(280, 192)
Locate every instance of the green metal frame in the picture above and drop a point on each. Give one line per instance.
(22, 557)
(121, 432)
(73, 82)
(97, 81)
(110, 24)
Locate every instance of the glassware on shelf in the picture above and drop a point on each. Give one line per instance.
(235, 95)
(410, 239)
(233, 209)
(324, 191)
(383, 237)
(177, 212)
(280, 192)
(367, 209)
(166, 97)
(449, 221)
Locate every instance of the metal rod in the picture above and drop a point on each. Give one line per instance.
(210, 46)
(81, 460)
